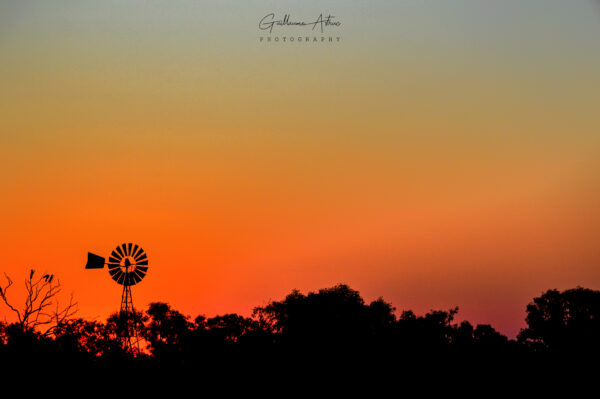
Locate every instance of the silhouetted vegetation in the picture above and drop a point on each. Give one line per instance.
(331, 325)
(565, 322)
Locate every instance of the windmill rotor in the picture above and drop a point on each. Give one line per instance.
(128, 264)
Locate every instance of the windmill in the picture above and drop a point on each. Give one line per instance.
(127, 265)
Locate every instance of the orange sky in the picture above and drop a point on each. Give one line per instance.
(430, 157)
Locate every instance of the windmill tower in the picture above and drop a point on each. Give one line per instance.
(127, 265)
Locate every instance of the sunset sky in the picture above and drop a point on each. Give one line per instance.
(442, 153)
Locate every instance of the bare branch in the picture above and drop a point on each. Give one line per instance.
(41, 295)
(3, 294)
(60, 316)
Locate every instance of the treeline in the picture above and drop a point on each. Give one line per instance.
(332, 323)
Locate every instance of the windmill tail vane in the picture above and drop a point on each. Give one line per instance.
(127, 265)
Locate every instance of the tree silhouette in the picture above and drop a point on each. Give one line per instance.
(564, 321)
(431, 332)
(167, 331)
(332, 318)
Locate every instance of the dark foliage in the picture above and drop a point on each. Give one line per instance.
(332, 328)
(565, 322)
(333, 318)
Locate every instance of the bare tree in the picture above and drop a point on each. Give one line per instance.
(41, 310)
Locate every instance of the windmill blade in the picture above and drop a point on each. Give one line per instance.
(140, 274)
(115, 255)
(139, 253)
(134, 277)
(134, 250)
(124, 246)
(113, 260)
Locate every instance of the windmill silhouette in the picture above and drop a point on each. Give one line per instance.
(127, 265)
